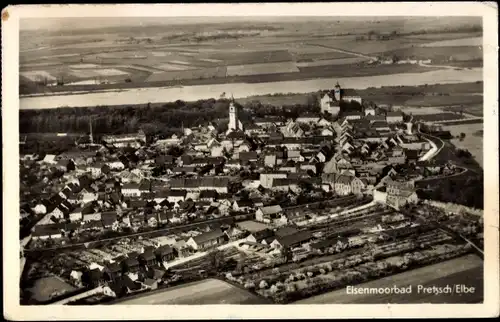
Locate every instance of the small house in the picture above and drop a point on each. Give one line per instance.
(207, 240)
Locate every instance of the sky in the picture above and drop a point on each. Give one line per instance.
(100, 22)
(96, 22)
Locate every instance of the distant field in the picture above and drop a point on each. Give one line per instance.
(209, 291)
(438, 117)
(473, 109)
(443, 53)
(466, 270)
(46, 286)
(277, 100)
(476, 41)
(216, 72)
(255, 57)
(444, 100)
(326, 62)
(258, 69)
(123, 56)
(304, 51)
(37, 75)
(89, 73)
(83, 66)
(325, 54)
(367, 46)
(424, 101)
(168, 67)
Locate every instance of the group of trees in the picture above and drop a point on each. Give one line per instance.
(152, 119)
(464, 190)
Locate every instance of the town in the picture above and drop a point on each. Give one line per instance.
(284, 208)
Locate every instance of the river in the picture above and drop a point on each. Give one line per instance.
(240, 90)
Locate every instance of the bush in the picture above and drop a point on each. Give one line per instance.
(249, 285)
(263, 284)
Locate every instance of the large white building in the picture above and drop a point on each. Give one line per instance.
(234, 122)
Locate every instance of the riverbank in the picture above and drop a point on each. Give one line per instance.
(241, 90)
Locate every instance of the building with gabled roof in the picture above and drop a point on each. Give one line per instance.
(207, 240)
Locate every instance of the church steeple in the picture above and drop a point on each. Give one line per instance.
(233, 115)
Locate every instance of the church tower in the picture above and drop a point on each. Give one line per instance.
(233, 116)
(336, 92)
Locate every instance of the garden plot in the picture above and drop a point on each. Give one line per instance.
(259, 69)
(474, 41)
(37, 75)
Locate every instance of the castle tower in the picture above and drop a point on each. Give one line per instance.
(233, 117)
(336, 92)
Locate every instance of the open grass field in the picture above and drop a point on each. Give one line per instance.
(471, 109)
(475, 41)
(445, 116)
(259, 69)
(37, 75)
(472, 142)
(45, 287)
(467, 270)
(438, 54)
(209, 291)
(328, 62)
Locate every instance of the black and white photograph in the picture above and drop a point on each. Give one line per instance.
(257, 160)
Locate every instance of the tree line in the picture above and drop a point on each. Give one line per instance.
(153, 119)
